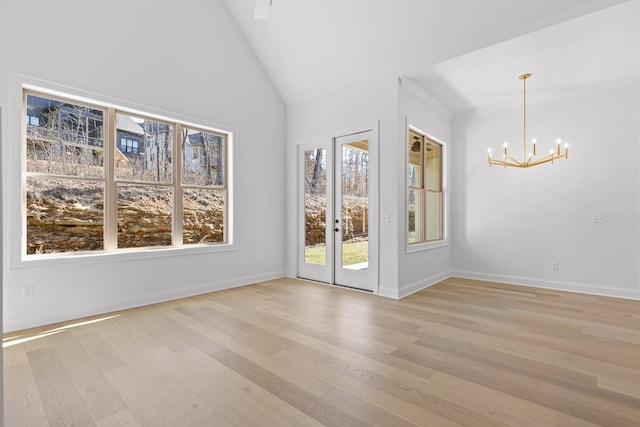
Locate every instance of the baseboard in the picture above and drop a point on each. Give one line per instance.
(423, 284)
(411, 288)
(11, 324)
(551, 284)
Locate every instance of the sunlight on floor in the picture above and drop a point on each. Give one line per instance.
(19, 339)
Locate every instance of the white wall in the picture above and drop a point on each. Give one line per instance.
(371, 100)
(191, 61)
(419, 269)
(510, 224)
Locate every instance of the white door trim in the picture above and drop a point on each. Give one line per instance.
(328, 140)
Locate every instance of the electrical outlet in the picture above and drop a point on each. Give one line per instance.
(598, 218)
(555, 265)
(386, 217)
(27, 292)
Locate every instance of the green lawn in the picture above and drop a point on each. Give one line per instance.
(352, 253)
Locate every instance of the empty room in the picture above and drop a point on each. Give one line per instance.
(304, 213)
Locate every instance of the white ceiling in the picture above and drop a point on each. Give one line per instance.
(466, 53)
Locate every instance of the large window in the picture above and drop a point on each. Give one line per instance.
(101, 179)
(425, 197)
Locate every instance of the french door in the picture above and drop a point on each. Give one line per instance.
(338, 211)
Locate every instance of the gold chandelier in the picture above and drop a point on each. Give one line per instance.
(529, 160)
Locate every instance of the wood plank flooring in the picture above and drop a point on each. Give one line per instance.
(293, 353)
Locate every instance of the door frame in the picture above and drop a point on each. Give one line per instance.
(326, 273)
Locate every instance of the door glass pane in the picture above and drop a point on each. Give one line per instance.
(315, 206)
(355, 205)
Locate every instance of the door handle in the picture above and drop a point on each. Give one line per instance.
(336, 229)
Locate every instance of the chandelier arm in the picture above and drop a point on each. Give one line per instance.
(511, 162)
(548, 158)
(514, 161)
(511, 165)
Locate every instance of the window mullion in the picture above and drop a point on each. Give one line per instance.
(178, 211)
(111, 192)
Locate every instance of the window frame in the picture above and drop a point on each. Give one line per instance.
(109, 252)
(422, 188)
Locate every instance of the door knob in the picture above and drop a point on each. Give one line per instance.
(336, 229)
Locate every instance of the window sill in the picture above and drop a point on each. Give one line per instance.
(419, 247)
(124, 255)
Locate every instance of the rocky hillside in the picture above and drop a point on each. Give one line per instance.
(354, 217)
(62, 218)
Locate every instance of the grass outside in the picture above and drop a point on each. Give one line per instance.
(352, 253)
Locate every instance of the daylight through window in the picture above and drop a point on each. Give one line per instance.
(102, 179)
(425, 198)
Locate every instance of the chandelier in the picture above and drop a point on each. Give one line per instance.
(529, 159)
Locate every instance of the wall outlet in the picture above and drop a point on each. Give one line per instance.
(555, 265)
(27, 292)
(598, 218)
(386, 217)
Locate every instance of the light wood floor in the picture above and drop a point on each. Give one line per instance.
(293, 353)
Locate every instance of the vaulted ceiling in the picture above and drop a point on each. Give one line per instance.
(467, 53)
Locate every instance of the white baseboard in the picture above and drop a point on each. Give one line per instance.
(423, 284)
(551, 284)
(411, 288)
(388, 292)
(17, 323)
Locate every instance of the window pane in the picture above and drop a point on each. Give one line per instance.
(315, 206)
(415, 215)
(203, 158)
(64, 138)
(204, 213)
(433, 173)
(144, 216)
(434, 223)
(414, 175)
(64, 215)
(152, 161)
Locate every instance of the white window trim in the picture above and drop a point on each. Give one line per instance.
(425, 246)
(14, 163)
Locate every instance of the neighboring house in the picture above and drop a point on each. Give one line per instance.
(58, 129)
(129, 135)
(203, 152)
